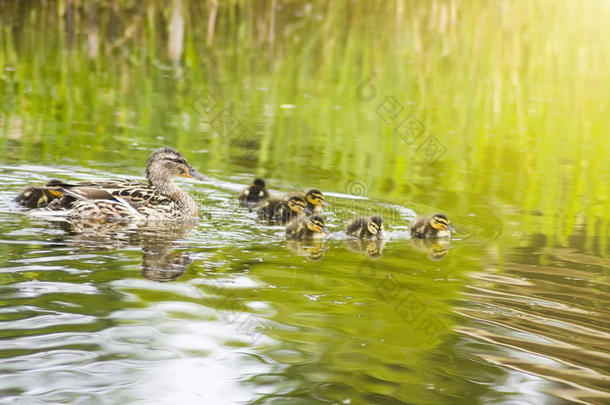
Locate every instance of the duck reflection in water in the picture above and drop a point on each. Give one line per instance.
(436, 249)
(370, 247)
(161, 259)
(313, 249)
(161, 262)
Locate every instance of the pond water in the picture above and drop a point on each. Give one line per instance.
(492, 113)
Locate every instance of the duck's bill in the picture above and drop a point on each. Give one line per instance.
(450, 228)
(196, 175)
(307, 211)
(325, 230)
(380, 234)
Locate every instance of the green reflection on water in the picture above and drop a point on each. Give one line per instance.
(495, 113)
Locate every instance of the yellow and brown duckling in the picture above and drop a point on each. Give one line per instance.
(366, 227)
(311, 227)
(255, 193)
(158, 198)
(436, 226)
(282, 210)
(315, 200)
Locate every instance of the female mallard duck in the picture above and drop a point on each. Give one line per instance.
(436, 226)
(366, 227)
(256, 192)
(281, 210)
(158, 199)
(311, 227)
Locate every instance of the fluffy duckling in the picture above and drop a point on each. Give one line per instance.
(315, 200)
(256, 192)
(306, 228)
(366, 227)
(436, 226)
(282, 211)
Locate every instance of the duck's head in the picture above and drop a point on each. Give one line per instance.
(316, 224)
(259, 183)
(257, 190)
(375, 226)
(440, 222)
(166, 163)
(314, 197)
(297, 204)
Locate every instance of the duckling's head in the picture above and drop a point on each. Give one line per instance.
(314, 197)
(166, 163)
(375, 226)
(316, 224)
(259, 183)
(297, 204)
(256, 191)
(441, 223)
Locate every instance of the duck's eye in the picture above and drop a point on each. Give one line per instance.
(175, 160)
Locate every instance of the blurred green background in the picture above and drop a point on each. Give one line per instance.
(494, 112)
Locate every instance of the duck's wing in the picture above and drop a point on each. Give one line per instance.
(98, 202)
(135, 196)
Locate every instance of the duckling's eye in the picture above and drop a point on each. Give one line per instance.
(441, 222)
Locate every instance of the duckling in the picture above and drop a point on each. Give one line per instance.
(315, 200)
(436, 226)
(366, 227)
(39, 197)
(281, 210)
(306, 228)
(256, 192)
